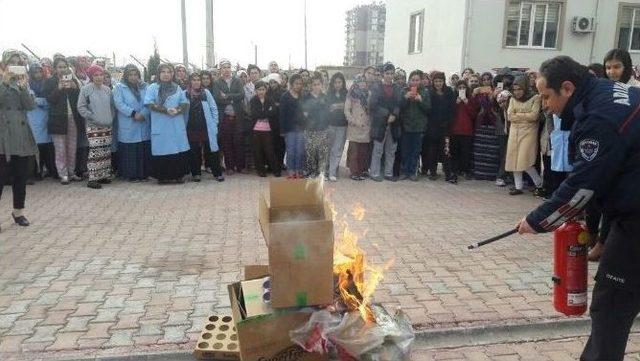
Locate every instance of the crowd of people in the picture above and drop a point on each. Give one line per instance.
(67, 119)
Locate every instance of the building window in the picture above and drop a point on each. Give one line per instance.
(533, 24)
(416, 25)
(629, 28)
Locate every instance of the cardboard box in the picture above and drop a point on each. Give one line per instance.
(256, 296)
(218, 340)
(266, 338)
(297, 225)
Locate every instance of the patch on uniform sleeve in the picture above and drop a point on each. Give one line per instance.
(589, 149)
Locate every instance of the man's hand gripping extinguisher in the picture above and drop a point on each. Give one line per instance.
(570, 268)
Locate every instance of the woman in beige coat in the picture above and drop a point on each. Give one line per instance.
(523, 115)
(356, 109)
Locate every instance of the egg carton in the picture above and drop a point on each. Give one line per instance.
(218, 340)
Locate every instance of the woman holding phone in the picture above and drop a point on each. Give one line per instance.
(460, 135)
(16, 139)
(415, 105)
(65, 123)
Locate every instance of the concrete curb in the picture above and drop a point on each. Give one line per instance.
(507, 333)
(456, 337)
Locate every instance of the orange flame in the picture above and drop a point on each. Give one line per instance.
(356, 280)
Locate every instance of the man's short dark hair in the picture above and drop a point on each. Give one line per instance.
(252, 66)
(563, 68)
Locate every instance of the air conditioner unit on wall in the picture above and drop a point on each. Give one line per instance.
(583, 24)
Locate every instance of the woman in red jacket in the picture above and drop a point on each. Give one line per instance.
(459, 145)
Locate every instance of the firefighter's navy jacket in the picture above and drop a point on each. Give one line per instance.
(605, 144)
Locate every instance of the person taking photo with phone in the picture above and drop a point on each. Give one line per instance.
(65, 123)
(16, 140)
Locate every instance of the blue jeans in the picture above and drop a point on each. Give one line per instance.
(411, 148)
(295, 151)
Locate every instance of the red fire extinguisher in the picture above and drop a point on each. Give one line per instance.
(570, 269)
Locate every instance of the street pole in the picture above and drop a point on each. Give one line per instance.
(209, 24)
(185, 54)
(305, 35)
(255, 54)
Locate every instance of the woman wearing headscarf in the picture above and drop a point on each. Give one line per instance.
(169, 143)
(65, 123)
(275, 93)
(95, 105)
(181, 76)
(356, 109)
(11, 57)
(16, 140)
(207, 80)
(134, 126)
(486, 160)
(202, 129)
(522, 147)
(38, 120)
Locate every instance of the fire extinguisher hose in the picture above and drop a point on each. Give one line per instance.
(493, 239)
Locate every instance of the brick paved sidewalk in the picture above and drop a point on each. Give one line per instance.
(136, 266)
(559, 350)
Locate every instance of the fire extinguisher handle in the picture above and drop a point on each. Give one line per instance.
(493, 239)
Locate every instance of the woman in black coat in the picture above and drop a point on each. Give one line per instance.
(263, 116)
(65, 123)
(443, 108)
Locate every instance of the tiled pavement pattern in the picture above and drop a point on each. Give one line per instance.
(561, 350)
(137, 266)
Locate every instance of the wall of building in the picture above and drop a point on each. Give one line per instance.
(442, 37)
(606, 29)
(486, 51)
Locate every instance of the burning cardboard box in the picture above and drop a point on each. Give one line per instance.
(297, 224)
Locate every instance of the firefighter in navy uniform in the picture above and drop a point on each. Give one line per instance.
(605, 142)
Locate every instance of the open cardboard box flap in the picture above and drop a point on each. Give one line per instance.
(293, 193)
(297, 225)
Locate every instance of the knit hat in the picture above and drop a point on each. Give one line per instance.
(8, 54)
(94, 70)
(223, 62)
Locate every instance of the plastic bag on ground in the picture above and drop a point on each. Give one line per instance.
(348, 337)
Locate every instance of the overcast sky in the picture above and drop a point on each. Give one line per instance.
(128, 27)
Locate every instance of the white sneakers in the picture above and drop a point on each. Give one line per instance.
(333, 178)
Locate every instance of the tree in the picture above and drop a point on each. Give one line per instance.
(153, 63)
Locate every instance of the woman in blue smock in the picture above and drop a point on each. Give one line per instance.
(169, 144)
(202, 129)
(38, 120)
(134, 126)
